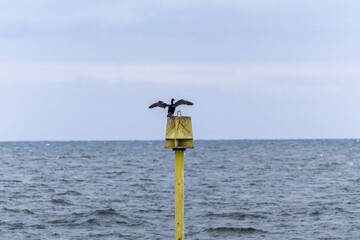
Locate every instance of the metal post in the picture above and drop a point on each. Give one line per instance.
(179, 194)
(179, 137)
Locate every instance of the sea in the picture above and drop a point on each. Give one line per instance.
(234, 189)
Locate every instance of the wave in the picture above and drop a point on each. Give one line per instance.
(61, 202)
(107, 235)
(92, 221)
(10, 180)
(235, 215)
(246, 230)
(14, 226)
(99, 213)
(105, 212)
(38, 226)
(26, 211)
(62, 221)
(69, 192)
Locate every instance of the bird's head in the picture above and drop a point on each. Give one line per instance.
(172, 101)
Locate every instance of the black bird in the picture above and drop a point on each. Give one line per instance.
(172, 106)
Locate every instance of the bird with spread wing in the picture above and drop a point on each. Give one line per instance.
(172, 106)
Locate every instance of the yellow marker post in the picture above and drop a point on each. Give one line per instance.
(179, 137)
(179, 194)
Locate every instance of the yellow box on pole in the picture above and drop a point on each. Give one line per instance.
(179, 133)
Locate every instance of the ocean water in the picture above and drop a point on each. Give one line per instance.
(288, 189)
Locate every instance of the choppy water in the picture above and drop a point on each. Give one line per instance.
(295, 189)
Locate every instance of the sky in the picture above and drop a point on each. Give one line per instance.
(255, 69)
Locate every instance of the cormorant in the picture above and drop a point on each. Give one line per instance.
(172, 106)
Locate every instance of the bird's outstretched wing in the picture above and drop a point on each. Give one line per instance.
(159, 104)
(183, 102)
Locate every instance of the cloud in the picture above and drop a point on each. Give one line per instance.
(214, 74)
(179, 31)
(43, 13)
(59, 13)
(67, 14)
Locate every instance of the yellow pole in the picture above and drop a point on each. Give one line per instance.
(179, 194)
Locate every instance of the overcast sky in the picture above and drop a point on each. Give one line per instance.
(88, 70)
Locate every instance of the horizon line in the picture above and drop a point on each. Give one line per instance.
(153, 140)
